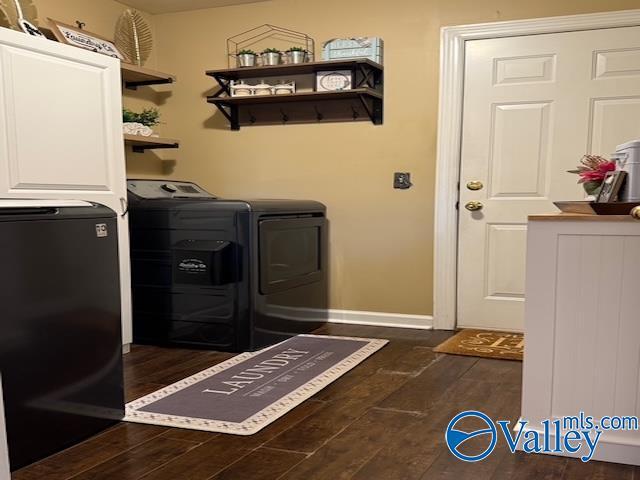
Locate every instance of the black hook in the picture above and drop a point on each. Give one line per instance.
(252, 118)
(355, 113)
(285, 117)
(80, 24)
(319, 116)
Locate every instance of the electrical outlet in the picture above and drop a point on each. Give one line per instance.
(402, 180)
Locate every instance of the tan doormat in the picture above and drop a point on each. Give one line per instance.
(484, 343)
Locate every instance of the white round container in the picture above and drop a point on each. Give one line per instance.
(628, 157)
(284, 89)
(241, 89)
(262, 89)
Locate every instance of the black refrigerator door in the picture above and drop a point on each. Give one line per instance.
(60, 332)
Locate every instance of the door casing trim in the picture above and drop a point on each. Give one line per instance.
(452, 57)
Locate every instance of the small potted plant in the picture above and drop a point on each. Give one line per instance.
(271, 56)
(246, 58)
(134, 123)
(592, 171)
(297, 55)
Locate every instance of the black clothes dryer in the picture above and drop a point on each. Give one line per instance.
(230, 275)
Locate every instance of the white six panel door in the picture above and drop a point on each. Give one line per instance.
(60, 131)
(533, 105)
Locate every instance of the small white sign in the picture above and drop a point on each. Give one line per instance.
(331, 81)
(88, 42)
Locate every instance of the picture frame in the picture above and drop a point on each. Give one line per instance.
(334, 80)
(80, 38)
(611, 186)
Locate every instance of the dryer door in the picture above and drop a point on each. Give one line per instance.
(290, 252)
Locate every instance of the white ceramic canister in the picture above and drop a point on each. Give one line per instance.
(262, 89)
(284, 88)
(628, 157)
(241, 89)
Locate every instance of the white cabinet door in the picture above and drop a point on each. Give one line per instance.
(533, 106)
(60, 131)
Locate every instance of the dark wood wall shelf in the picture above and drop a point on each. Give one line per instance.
(134, 76)
(139, 143)
(364, 101)
(293, 69)
(296, 97)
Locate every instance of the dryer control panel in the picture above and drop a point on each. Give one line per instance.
(166, 189)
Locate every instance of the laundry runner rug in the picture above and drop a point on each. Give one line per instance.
(249, 391)
(484, 343)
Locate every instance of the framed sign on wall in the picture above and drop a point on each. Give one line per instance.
(332, 80)
(87, 40)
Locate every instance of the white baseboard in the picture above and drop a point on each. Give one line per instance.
(354, 317)
(381, 319)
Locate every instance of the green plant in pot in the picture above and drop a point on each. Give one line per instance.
(246, 58)
(271, 56)
(297, 55)
(134, 123)
(149, 117)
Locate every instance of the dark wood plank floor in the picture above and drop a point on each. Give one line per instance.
(383, 420)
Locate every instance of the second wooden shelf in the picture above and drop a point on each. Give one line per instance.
(134, 76)
(140, 143)
(295, 97)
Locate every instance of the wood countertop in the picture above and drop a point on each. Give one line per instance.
(580, 217)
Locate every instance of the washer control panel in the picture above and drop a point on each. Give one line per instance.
(166, 189)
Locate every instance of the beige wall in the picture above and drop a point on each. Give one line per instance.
(381, 239)
(100, 16)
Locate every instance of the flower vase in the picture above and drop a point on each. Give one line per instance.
(592, 189)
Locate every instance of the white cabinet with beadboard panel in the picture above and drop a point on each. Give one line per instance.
(61, 131)
(582, 332)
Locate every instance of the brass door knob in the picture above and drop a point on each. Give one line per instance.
(473, 206)
(635, 213)
(475, 185)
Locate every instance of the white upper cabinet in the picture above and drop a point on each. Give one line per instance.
(61, 131)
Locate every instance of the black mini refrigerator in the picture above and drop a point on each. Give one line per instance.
(60, 331)
(222, 274)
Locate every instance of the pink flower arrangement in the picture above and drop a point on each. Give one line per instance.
(592, 171)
